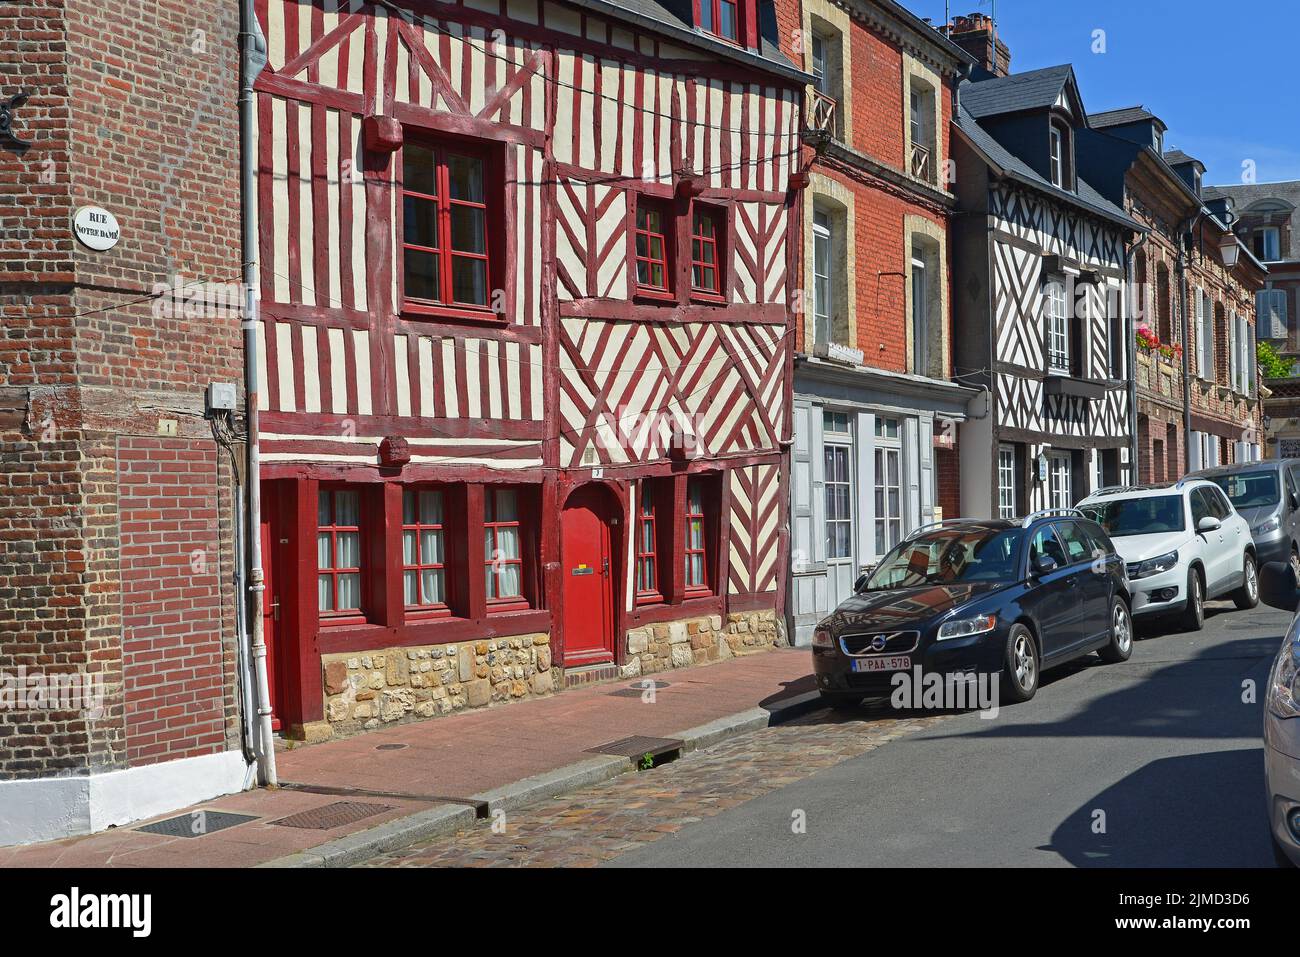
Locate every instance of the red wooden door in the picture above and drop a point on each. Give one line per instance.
(587, 567)
(271, 608)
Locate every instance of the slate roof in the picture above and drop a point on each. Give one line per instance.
(1122, 117)
(1178, 158)
(1086, 198)
(1037, 89)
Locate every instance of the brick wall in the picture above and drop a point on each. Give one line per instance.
(133, 110)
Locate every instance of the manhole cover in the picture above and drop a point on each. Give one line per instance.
(196, 823)
(637, 745)
(332, 815)
(390, 747)
(638, 689)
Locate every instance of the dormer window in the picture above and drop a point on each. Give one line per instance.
(1058, 157)
(1060, 165)
(1196, 181)
(720, 18)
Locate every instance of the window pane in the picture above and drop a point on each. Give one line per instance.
(508, 542)
(418, 169)
(649, 219)
(469, 280)
(490, 580)
(468, 229)
(706, 15)
(647, 537)
(431, 547)
(411, 588)
(508, 581)
(323, 550)
(696, 534)
(727, 20)
(431, 508)
(347, 508)
(506, 506)
(420, 221)
(465, 176)
(695, 569)
(349, 591)
(408, 548)
(408, 508)
(325, 593)
(323, 509)
(421, 274)
(347, 547)
(433, 591)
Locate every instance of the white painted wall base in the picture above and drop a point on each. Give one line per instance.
(47, 809)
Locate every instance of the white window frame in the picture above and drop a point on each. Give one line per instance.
(1057, 156)
(1007, 481)
(887, 527)
(1056, 314)
(1059, 465)
(1275, 234)
(823, 277)
(837, 444)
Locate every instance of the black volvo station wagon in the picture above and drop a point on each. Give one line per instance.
(967, 596)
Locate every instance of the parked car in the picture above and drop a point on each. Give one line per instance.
(1267, 495)
(1278, 586)
(1184, 544)
(998, 597)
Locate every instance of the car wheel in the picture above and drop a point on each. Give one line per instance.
(1120, 646)
(1247, 596)
(841, 702)
(1020, 671)
(1193, 616)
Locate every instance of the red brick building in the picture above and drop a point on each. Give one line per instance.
(116, 543)
(875, 405)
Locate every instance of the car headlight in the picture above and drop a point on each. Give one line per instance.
(1272, 525)
(822, 638)
(1284, 682)
(965, 627)
(1153, 566)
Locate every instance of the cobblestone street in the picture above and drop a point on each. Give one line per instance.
(602, 822)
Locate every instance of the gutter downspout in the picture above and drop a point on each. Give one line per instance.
(252, 58)
(1130, 360)
(1181, 270)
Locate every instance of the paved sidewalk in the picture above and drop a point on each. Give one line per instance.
(501, 757)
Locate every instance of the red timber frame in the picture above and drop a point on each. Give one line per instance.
(308, 103)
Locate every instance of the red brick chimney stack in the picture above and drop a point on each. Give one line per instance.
(976, 34)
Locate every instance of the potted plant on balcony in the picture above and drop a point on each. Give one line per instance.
(1149, 342)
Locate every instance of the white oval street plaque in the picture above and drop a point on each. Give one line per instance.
(96, 228)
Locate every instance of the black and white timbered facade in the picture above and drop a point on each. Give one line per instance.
(1038, 301)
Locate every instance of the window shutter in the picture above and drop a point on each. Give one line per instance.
(1201, 365)
(1252, 361)
(1232, 351)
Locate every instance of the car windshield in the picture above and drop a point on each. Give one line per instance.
(1250, 489)
(948, 556)
(1151, 515)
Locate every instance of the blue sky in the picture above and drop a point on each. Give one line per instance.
(1221, 75)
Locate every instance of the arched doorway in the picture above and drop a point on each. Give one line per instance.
(588, 558)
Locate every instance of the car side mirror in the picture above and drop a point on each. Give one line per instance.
(1045, 565)
(1278, 586)
(861, 583)
(1208, 524)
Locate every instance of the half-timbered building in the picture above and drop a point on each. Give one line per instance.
(524, 330)
(1040, 267)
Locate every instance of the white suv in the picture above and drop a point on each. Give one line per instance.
(1183, 544)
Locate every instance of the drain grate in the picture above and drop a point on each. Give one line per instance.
(196, 823)
(638, 745)
(332, 815)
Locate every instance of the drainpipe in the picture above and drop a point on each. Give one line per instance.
(252, 58)
(1181, 269)
(1130, 359)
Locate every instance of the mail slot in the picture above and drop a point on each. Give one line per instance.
(584, 570)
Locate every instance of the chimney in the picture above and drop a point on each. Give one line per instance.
(976, 34)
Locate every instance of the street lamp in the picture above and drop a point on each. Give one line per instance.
(1230, 249)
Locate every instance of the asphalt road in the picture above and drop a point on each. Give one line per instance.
(1156, 762)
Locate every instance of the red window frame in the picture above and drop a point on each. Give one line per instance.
(492, 206)
(492, 527)
(647, 558)
(703, 587)
(667, 236)
(423, 608)
(334, 614)
(713, 9)
(717, 218)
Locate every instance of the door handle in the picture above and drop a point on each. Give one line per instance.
(275, 610)
(604, 567)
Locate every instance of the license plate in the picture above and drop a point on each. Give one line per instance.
(894, 663)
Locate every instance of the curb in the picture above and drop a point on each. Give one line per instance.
(445, 819)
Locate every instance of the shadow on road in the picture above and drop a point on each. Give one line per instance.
(1189, 811)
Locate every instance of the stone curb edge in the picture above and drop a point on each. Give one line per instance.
(447, 818)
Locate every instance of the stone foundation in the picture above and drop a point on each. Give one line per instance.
(699, 641)
(364, 691)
